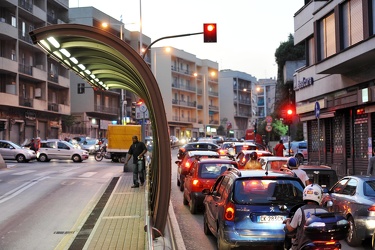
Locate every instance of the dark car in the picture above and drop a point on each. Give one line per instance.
(354, 198)
(196, 146)
(183, 165)
(248, 207)
(202, 175)
(325, 176)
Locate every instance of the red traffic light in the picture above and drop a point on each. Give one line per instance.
(289, 112)
(209, 32)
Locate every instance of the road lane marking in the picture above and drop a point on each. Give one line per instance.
(16, 191)
(87, 174)
(24, 172)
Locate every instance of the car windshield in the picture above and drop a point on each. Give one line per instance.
(267, 191)
(369, 188)
(213, 170)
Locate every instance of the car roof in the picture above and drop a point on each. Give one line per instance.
(264, 173)
(273, 158)
(221, 160)
(202, 152)
(255, 150)
(244, 143)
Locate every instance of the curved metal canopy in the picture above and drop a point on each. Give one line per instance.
(106, 62)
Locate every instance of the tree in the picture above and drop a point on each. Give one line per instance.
(287, 51)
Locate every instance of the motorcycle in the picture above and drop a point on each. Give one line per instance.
(324, 230)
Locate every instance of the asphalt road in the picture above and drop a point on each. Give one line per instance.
(43, 204)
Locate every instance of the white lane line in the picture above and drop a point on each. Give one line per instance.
(87, 174)
(24, 172)
(16, 191)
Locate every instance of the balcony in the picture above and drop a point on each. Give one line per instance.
(26, 5)
(184, 87)
(26, 69)
(107, 110)
(184, 103)
(211, 93)
(26, 102)
(350, 60)
(183, 119)
(53, 107)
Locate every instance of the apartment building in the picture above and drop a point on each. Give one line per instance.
(34, 89)
(264, 92)
(335, 90)
(237, 101)
(94, 109)
(190, 90)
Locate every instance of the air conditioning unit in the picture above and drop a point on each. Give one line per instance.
(38, 92)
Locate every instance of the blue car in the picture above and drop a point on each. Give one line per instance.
(248, 207)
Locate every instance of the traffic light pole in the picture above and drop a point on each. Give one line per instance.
(167, 37)
(289, 140)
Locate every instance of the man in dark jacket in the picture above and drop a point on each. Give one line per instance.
(371, 164)
(138, 150)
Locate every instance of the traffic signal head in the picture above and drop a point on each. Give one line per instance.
(209, 32)
(80, 88)
(134, 104)
(289, 112)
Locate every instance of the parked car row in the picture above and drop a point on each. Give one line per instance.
(49, 150)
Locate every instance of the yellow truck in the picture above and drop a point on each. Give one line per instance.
(120, 139)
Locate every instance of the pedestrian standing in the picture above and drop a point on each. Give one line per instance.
(279, 149)
(293, 165)
(37, 144)
(371, 164)
(138, 150)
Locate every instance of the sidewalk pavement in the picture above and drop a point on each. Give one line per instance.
(122, 222)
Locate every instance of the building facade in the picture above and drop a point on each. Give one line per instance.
(93, 110)
(335, 90)
(238, 102)
(34, 89)
(190, 89)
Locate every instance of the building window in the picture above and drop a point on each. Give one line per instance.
(327, 40)
(352, 23)
(372, 17)
(311, 51)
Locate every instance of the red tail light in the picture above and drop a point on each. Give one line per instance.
(229, 212)
(187, 165)
(197, 185)
(372, 208)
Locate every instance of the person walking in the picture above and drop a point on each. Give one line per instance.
(279, 149)
(371, 163)
(138, 150)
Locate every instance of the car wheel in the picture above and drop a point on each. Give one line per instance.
(206, 229)
(21, 158)
(76, 158)
(193, 206)
(185, 201)
(352, 238)
(221, 244)
(43, 158)
(122, 159)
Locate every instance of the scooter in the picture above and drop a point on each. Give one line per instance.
(325, 230)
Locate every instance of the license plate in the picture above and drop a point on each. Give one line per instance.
(271, 218)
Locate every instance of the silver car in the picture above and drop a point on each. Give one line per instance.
(60, 150)
(12, 151)
(354, 198)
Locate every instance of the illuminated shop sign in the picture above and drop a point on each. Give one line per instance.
(305, 82)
